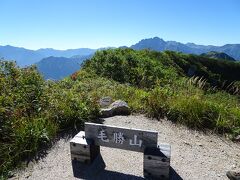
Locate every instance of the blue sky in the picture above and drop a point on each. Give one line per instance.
(64, 24)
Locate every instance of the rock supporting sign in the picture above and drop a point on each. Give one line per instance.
(156, 162)
(83, 150)
(85, 147)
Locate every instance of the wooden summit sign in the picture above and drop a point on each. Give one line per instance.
(119, 137)
(85, 147)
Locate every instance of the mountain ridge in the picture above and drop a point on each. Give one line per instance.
(65, 53)
(26, 57)
(159, 44)
(57, 68)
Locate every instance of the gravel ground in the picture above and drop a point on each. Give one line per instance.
(195, 155)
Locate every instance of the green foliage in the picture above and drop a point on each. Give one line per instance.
(193, 111)
(68, 107)
(144, 68)
(32, 111)
(157, 103)
(22, 128)
(129, 66)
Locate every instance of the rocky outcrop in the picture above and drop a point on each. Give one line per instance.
(118, 107)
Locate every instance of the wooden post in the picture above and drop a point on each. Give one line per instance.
(156, 163)
(83, 150)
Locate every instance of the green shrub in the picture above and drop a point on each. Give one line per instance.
(71, 109)
(193, 111)
(138, 68)
(157, 103)
(22, 129)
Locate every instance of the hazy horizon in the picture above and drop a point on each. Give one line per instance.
(112, 46)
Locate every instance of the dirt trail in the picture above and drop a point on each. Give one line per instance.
(195, 155)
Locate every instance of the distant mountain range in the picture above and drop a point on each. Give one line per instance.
(26, 57)
(56, 68)
(22, 56)
(65, 53)
(56, 64)
(158, 44)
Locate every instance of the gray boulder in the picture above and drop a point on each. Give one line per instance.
(118, 107)
(105, 101)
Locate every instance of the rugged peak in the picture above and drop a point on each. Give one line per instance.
(155, 43)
